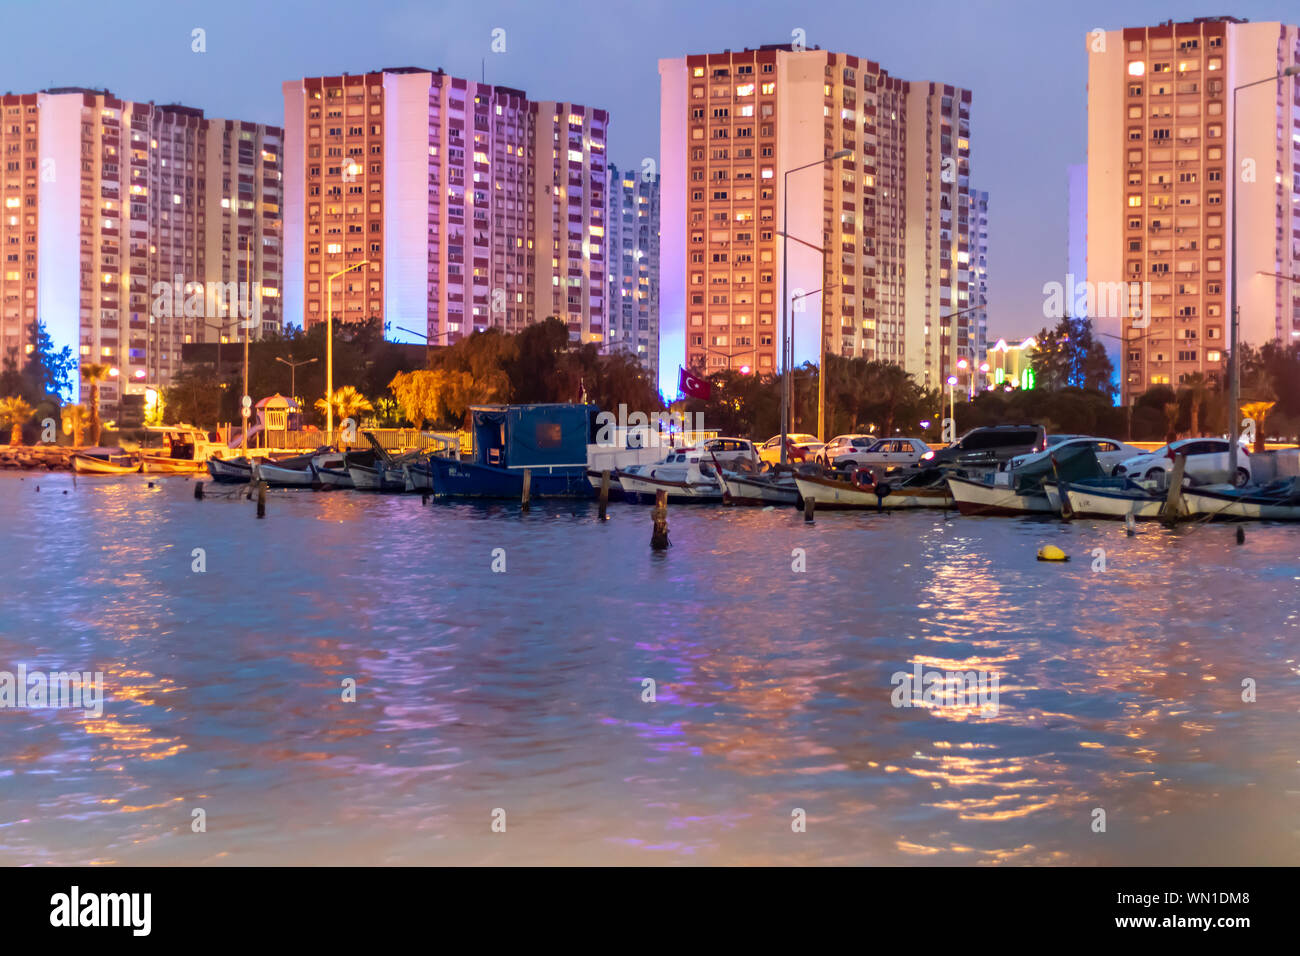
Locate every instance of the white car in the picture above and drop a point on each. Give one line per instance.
(843, 445)
(728, 451)
(1110, 453)
(1207, 462)
(886, 453)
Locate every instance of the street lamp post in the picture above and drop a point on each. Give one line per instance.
(1234, 356)
(952, 405)
(329, 346)
(787, 354)
(293, 370)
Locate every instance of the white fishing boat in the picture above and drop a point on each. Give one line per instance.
(1277, 501)
(230, 470)
(746, 488)
(682, 474)
(860, 491)
(286, 473)
(331, 470)
(974, 497)
(1109, 498)
(1018, 490)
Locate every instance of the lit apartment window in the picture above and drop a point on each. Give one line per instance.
(1137, 68)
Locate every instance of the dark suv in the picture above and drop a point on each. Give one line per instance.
(989, 446)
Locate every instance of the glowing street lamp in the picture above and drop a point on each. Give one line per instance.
(952, 404)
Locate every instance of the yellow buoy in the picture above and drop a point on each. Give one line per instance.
(1050, 552)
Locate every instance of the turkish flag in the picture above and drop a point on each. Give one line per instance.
(689, 384)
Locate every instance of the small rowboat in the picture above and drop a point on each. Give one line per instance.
(755, 489)
(837, 493)
(230, 470)
(1278, 501)
(84, 464)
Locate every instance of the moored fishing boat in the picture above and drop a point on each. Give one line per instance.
(758, 488)
(370, 472)
(230, 470)
(104, 461)
(1106, 498)
(918, 490)
(685, 474)
(1276, 501)
(1020, 491)
(990, 498)
(292, 472)
(549, 441)
(331, 470)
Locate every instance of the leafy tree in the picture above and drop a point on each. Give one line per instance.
(46, 372)
(14, 414)
(74, 423)
(194, 397)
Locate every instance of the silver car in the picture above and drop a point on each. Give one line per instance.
(1110, 452)
(843, 445)
(886, 453)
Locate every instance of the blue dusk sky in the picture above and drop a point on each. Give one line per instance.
(1025, 62)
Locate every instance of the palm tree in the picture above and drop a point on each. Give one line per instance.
(1171, 417)
(893, 387)
(15, 412)
(348, 403)
(1198, 388)
(94, 374)
(74, 422)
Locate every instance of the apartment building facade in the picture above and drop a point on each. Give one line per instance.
(1161, 130)
(880, 245)
(632, 230)
(471, 206)
(119, 218)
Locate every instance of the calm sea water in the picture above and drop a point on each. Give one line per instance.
(522, 691)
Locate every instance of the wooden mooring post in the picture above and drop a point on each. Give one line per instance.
(524, 502)
(261, 499)
(659, 537)
(809, 506)
(198, 491)
(604, 493)
(1174, 499)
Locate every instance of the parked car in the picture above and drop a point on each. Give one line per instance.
(990, 445)
(802, 448)
(886, 453)
(1110, 453)
(842, 445)
(728, 451)
(1207, 461)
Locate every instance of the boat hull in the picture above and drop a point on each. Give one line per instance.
(978, 498)
(829, 493)
(1213, 504)
(1086, 502)
(161, 465)
(279, 477)
(645, 487)
(89, 465)
(451, 478)
(229, 472)
(373, 478)
(743, 490)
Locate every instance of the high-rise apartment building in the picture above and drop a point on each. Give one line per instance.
(1161, 128)
(978, 227)
(879, 243)
(472, 206)
(124, 224)
(632, 231)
